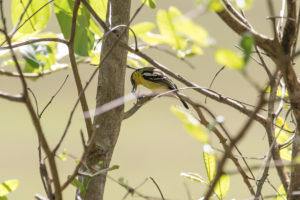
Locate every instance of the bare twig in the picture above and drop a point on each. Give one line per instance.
(81, 94)
(34, 118)
(212, 81)
(10, 97)
(157, 186)
(62, 85)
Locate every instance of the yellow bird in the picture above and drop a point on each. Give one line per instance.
(154, 80)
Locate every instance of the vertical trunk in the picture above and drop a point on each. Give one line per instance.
(110, 86)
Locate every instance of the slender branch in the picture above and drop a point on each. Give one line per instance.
(83, 101)
(272, 13)
(157, 186)
(31, 75)
(32, 41)
(262, 41)
(35, 120)
(50, 101)
(10, 97)
(207, 92)
(16, 29)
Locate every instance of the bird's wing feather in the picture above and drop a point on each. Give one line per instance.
(159, 77)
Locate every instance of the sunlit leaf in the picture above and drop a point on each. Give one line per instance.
(285, 154)
(222, 186)
(278, 92)
(212, 5)
(279, 123)
(37, 22)
(100, 7)
(281, 195)
(152, 38)
(165, 22)
(209, 161)
(150, 3)
(8, 186)
(186, 27)
(191, 124)
(62, 156)
(142, 28)
(193, 176)
(229, 59)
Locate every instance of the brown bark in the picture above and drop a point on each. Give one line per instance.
(110, 86)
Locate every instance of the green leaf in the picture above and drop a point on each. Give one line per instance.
(84, 39)
(36, 23)
(167, 29)
(39, 57)
(191, 124)
(3, 198)
(149, 3)
(279, 123)
(193, 177)
(142, 28)
(8, 186)
(229, 59)
(77, 184)
(222, 186)
(209, 161)
(247, 43)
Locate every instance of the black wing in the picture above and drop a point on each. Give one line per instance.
(159, 77)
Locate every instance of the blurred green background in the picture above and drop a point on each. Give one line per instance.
(152, 142)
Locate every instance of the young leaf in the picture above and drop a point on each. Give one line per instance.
(149, 3)
(209, 161)
(76, 183)
(8, 186)
(165, 22)
(100, 7)
(229, 59)
(186, 27)
(191, 124)
(222, 187)
(247, 43)
(141, 28)
(37, 22)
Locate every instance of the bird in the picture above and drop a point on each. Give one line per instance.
(154, 80)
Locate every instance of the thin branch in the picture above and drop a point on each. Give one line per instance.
(272, 14)
(205, 91)
(212, 81)
(262, 41)
(83, 101)
(32, 41)
(157, 186)
(35, 100)
(62, 85)
(10, 97)
(35, 120)
(16, 29)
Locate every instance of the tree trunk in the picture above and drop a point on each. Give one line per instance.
(110, 86)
